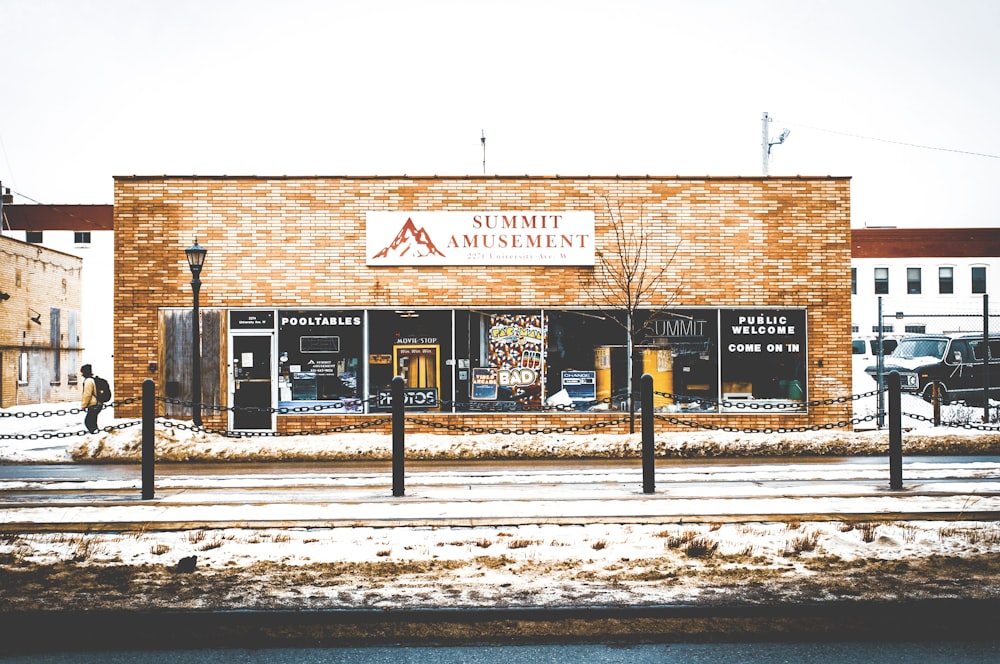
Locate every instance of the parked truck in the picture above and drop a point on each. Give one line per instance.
(958, 365)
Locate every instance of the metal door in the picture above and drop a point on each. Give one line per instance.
(253, 391)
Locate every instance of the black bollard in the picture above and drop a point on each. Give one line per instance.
(648, 447)
(148, 437)
(398, 430)
(895, 433)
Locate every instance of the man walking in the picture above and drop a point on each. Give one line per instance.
(90, 403)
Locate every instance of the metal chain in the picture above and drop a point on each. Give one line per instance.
(992, 427)
(477, 430)
(257, 409)
(273, 434)
(68, 434)
(67, 411)
(516, 432)
(750, 405)
(767, 430)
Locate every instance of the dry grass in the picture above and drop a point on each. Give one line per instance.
(701, 547)
(803, 543)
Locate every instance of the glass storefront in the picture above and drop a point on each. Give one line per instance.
(319, 359)
(452, 360)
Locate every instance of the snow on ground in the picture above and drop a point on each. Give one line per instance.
(528, 565)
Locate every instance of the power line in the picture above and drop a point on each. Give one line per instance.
(886, 140)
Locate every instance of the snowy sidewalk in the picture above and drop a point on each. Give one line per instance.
(495, 495)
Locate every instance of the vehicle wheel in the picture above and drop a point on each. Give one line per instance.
(942, 393)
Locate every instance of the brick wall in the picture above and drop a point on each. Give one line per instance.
(294, 242)
(38, 280)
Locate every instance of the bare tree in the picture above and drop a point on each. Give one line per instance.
(631, 275)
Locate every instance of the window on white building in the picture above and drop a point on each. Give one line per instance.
(854, 281)
(881, 281)
(913, 280)
(35, 237)
(978, 279)
(946, 280)
(81, 237)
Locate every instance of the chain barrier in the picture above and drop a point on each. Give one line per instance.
(519, 431)
(66, 411)
(514, 406)
(767, 430)
(68, 434)
(63, 413)
(751, 405)
(456, 428)
(991, 427)
(262, 409)
(227, 433)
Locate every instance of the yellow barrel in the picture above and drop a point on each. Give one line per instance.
(602, 366)
(659, 363)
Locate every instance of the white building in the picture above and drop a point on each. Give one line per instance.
(928, 280)
(86, 231)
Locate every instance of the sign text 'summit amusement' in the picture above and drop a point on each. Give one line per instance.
(479, 238)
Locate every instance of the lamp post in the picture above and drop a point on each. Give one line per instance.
(196, 260)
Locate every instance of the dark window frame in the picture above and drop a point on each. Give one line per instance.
(881, 283)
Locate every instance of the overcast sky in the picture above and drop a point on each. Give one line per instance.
(91, 89)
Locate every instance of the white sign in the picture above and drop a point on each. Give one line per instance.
(479, 238)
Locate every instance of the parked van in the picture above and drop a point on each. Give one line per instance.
(864, 350)
(953, 362)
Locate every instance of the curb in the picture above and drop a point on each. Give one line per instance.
(946, 619)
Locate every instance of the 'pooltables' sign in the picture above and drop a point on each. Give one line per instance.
(479, 238)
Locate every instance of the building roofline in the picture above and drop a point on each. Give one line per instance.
(41, 247)
(925, 242)
(482, 177)
(46, 217)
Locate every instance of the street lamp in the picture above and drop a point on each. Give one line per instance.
(196, 260)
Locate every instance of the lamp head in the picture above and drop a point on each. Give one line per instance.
(195, 256)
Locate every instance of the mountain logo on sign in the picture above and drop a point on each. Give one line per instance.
(410, 241)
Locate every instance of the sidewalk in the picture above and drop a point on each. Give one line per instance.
(506, 495)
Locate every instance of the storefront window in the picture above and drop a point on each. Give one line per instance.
(763, 359)
(515, 348)
(690, 371)
(416, 345)
(701, 360)
(319, 359)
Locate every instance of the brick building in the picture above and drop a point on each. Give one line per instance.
(85, 231)
(929, 280)
(482, 293)
(39, 324)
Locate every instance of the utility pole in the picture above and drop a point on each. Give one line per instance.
(483, 139)
(766, 143)
(5, 199)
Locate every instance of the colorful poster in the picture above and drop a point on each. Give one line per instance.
(484, 383)
(517, 350)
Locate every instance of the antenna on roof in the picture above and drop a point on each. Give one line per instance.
(483, 139)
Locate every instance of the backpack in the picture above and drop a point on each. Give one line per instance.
(102, 390)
